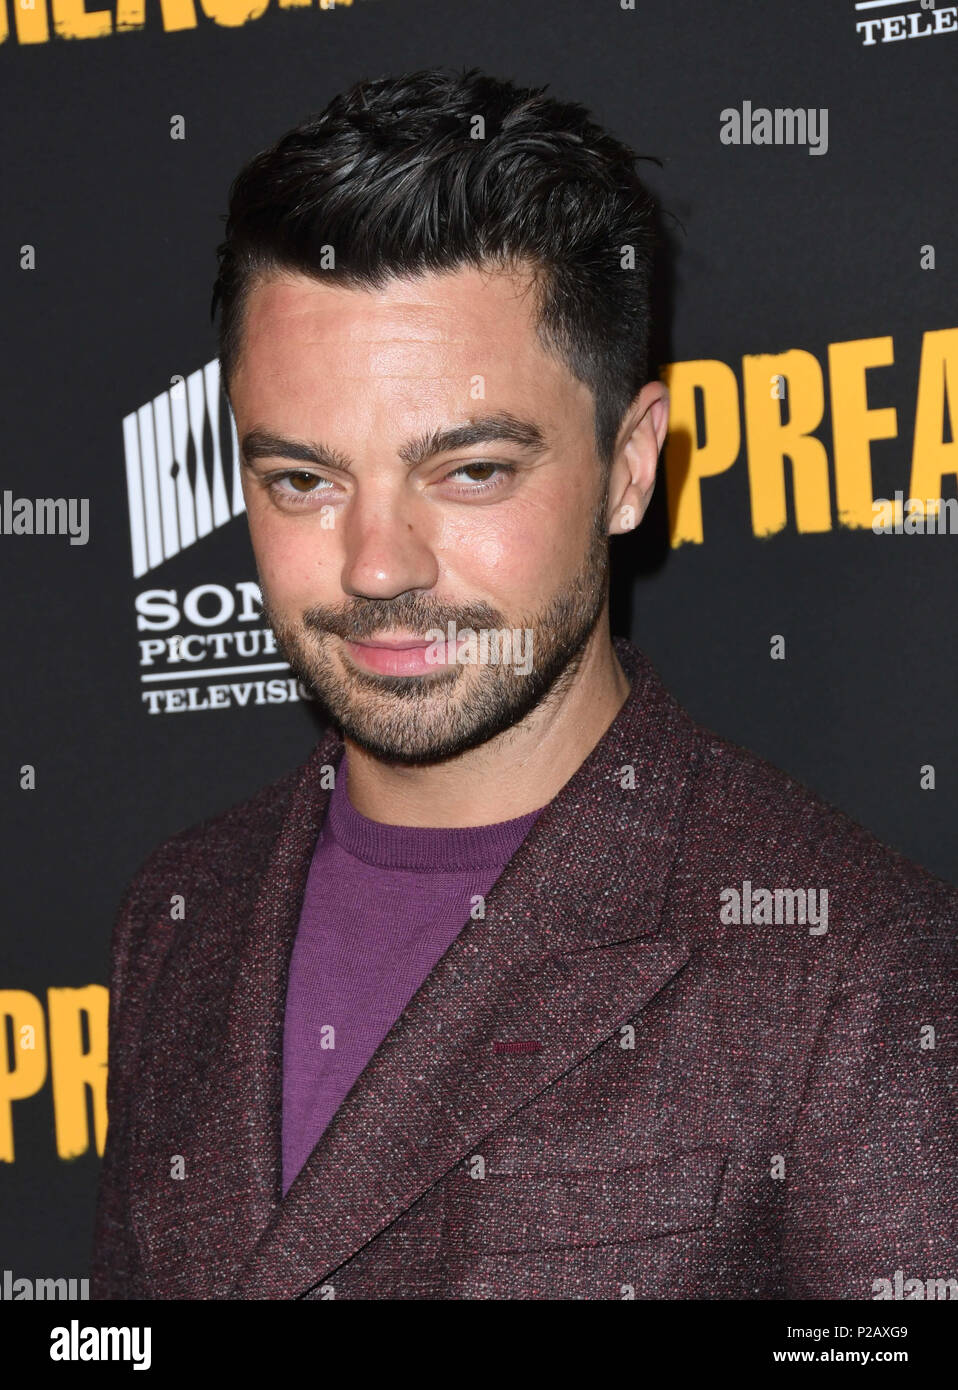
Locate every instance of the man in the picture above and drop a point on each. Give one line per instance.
(523, 985)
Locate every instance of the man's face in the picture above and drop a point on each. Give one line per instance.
(365, 534)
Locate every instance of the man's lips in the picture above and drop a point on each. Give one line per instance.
(397, 656)
(396, 644)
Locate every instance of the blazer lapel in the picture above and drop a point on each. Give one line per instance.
(210, 1063)
(570, 947)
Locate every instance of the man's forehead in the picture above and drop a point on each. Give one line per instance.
(416, 355)
(449, 307)
(431, 339)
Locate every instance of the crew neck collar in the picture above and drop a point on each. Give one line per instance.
(421, 849)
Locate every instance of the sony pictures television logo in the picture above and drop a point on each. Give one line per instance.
(888, 21)
(206, 648)
(177, 489)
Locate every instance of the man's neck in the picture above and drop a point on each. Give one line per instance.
(517, 772)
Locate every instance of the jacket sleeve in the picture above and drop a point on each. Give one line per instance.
(872, 1169)
(116, 1271)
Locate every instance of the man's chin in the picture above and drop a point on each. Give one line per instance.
(405, 753)
(414, 740)
(400, 719)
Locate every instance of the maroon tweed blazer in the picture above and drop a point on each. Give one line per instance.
(601, 1090)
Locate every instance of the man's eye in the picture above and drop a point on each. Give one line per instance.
(482, 475)
(301, 485)
(296, 487)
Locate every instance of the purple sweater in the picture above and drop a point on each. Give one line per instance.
(383, 903)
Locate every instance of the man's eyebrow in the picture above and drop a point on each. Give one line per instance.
(264, 444)
(488, 429)
(501, 427)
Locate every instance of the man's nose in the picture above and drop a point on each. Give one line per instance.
(387, 546)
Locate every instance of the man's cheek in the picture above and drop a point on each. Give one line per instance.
(297, 563)
(486, 554)
(476, 546)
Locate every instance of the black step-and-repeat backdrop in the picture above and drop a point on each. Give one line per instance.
(794, 582)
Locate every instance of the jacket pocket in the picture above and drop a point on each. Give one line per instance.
(541, 1211)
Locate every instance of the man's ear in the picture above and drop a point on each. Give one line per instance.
(636, 457)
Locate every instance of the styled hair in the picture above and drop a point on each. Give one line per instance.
(400, 176)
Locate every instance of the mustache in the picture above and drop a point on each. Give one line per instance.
(370, 617)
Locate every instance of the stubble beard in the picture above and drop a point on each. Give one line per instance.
(417, 720)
